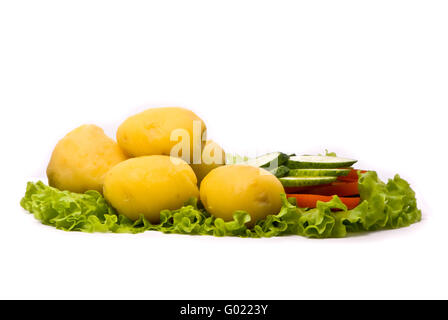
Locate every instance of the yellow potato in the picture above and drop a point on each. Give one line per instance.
(156, 131)
(213, 156)
(146, 185)
(241, 187)
(81, 159)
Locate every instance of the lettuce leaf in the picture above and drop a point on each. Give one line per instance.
(383, 206)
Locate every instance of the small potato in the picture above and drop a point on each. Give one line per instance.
(213, 156)
(146, 185)
(241, 187)
(157, 131)
(81, 159)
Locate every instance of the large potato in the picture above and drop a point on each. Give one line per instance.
(156, 131)
(241, 187)
(81, 159)
(213, 156)
(146, 185)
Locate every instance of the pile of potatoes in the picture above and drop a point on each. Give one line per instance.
(160, 157)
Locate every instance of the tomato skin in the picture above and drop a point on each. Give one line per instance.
(310, 200)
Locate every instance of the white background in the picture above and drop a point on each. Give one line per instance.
(366, 79)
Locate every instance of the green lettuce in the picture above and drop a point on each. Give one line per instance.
(383, 206)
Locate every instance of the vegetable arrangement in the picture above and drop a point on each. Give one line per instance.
(97, 185)
(385, 206)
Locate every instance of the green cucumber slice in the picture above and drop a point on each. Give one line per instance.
(305, 181)
(319, 162)
(280, 171)
(318, 172)
(273, 159)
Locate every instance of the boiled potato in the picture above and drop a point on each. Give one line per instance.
(213, 156)
(159, 131)
(81, 159)
(241, 187)
(146, 185)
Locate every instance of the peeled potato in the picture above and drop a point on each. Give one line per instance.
(213, 156)
(241, 187)
(146, 185)
(157, 131)
(81, 159)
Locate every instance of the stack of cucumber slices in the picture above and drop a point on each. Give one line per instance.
(302, 171)
(315, 170)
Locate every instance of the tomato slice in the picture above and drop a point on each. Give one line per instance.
(310, 200)
(352, 176)
(339, 188)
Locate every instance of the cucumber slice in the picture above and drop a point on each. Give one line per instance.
(280, 171)
(273, 159)
(305, 181)
(319, 162)
(318, 172)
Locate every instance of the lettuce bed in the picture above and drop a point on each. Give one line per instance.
(383, 206)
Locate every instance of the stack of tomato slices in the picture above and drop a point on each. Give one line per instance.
(345, 187)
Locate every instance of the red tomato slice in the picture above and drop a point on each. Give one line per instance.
(352, 176)
(310, 200)
(339, 188)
